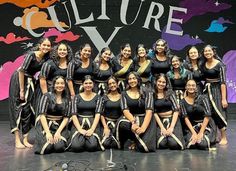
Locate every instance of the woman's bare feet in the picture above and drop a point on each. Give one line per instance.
(19, 145)
(26, 143)
(132, 146)
(223, 141)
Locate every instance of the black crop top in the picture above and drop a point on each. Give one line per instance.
(217, 72)
(48, 106)
(179, 84)
(111, 109)
(196, 111)
(50, 70)
(101, 75)
(136, 106)
(165, 105)
(160, 66)
(86, 108)
(76, 72)
(30, 65)
(146, 73)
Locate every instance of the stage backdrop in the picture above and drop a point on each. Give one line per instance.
(102, 23)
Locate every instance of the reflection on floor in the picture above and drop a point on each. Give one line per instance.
(223, 158)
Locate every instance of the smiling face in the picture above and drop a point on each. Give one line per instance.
(86, 52)
(208, 52)
(106, 55)
(142, 52)
(62, 51)
(132, 81)
(161, 83)
(160, 46)
(193, 53)
(126, 52)
(45, 46)
(175, 62)
(88, 85)
(191, 87)
(59, 85)
(112, 85)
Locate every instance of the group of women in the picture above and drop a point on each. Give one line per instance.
(153, 100)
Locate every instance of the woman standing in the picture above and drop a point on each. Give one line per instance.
(102, 71)
(21, 92)
(111, 113)
(166, 112)
(138, 123)
(193, 65)
(60, 55)
(160, 57)
(54, 110)
(122, 65)
(213, 71)
(86, 110)
(80, 66)
(195, 108)
(143, 66)
(178, 77)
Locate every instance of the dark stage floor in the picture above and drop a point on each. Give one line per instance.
(222, 159)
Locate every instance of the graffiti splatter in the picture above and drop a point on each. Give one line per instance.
(28, 3)
(179, 42)
(200, 7)
(5, 75)
(11, 38)
(38, 19)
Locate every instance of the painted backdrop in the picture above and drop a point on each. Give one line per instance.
(111, 23)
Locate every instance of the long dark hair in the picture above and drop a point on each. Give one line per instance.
(119, 56)
(55, 57)
(137, 59)
(77, 57)
(188, 63)
(167, 51)
(99, 61)
(182, 70)
(167, 91)
(36, 47)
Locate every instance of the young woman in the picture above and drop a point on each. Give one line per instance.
(160, 57)
(142, 65)
(60, 55)
(86, 110)
(195, 108)
(111, 113)
(213, 71)
(193, 64)
(79, 67)
(122, 65)
(166, 112)
(54, 110)
(102, 71)
(138, 123)
(178, 77)
(21, 92)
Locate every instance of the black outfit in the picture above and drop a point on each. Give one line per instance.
(214, 77)
(196, 113)
(100, 78)
(49, 107)
(178, 85)
(196, 75)
(111, 112)
(176, 140)
(22, 112)
(145, 73)
(76, 73)
(145, 142)
(160, 66)
(121, 72)
(85, 112)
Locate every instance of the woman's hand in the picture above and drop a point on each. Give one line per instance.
(22, 95)
(199, 137)
(163, 132)
(169, 131)
(134, 127)
(49, 138)
(82, 131)
(57, 137)
(89, 132)
(224, 103)
(193, 139)
(106, 132)
(140, 130)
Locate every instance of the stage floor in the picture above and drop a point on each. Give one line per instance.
(223, 158)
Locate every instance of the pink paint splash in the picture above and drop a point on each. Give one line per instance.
(5, 75)
(11, 38)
